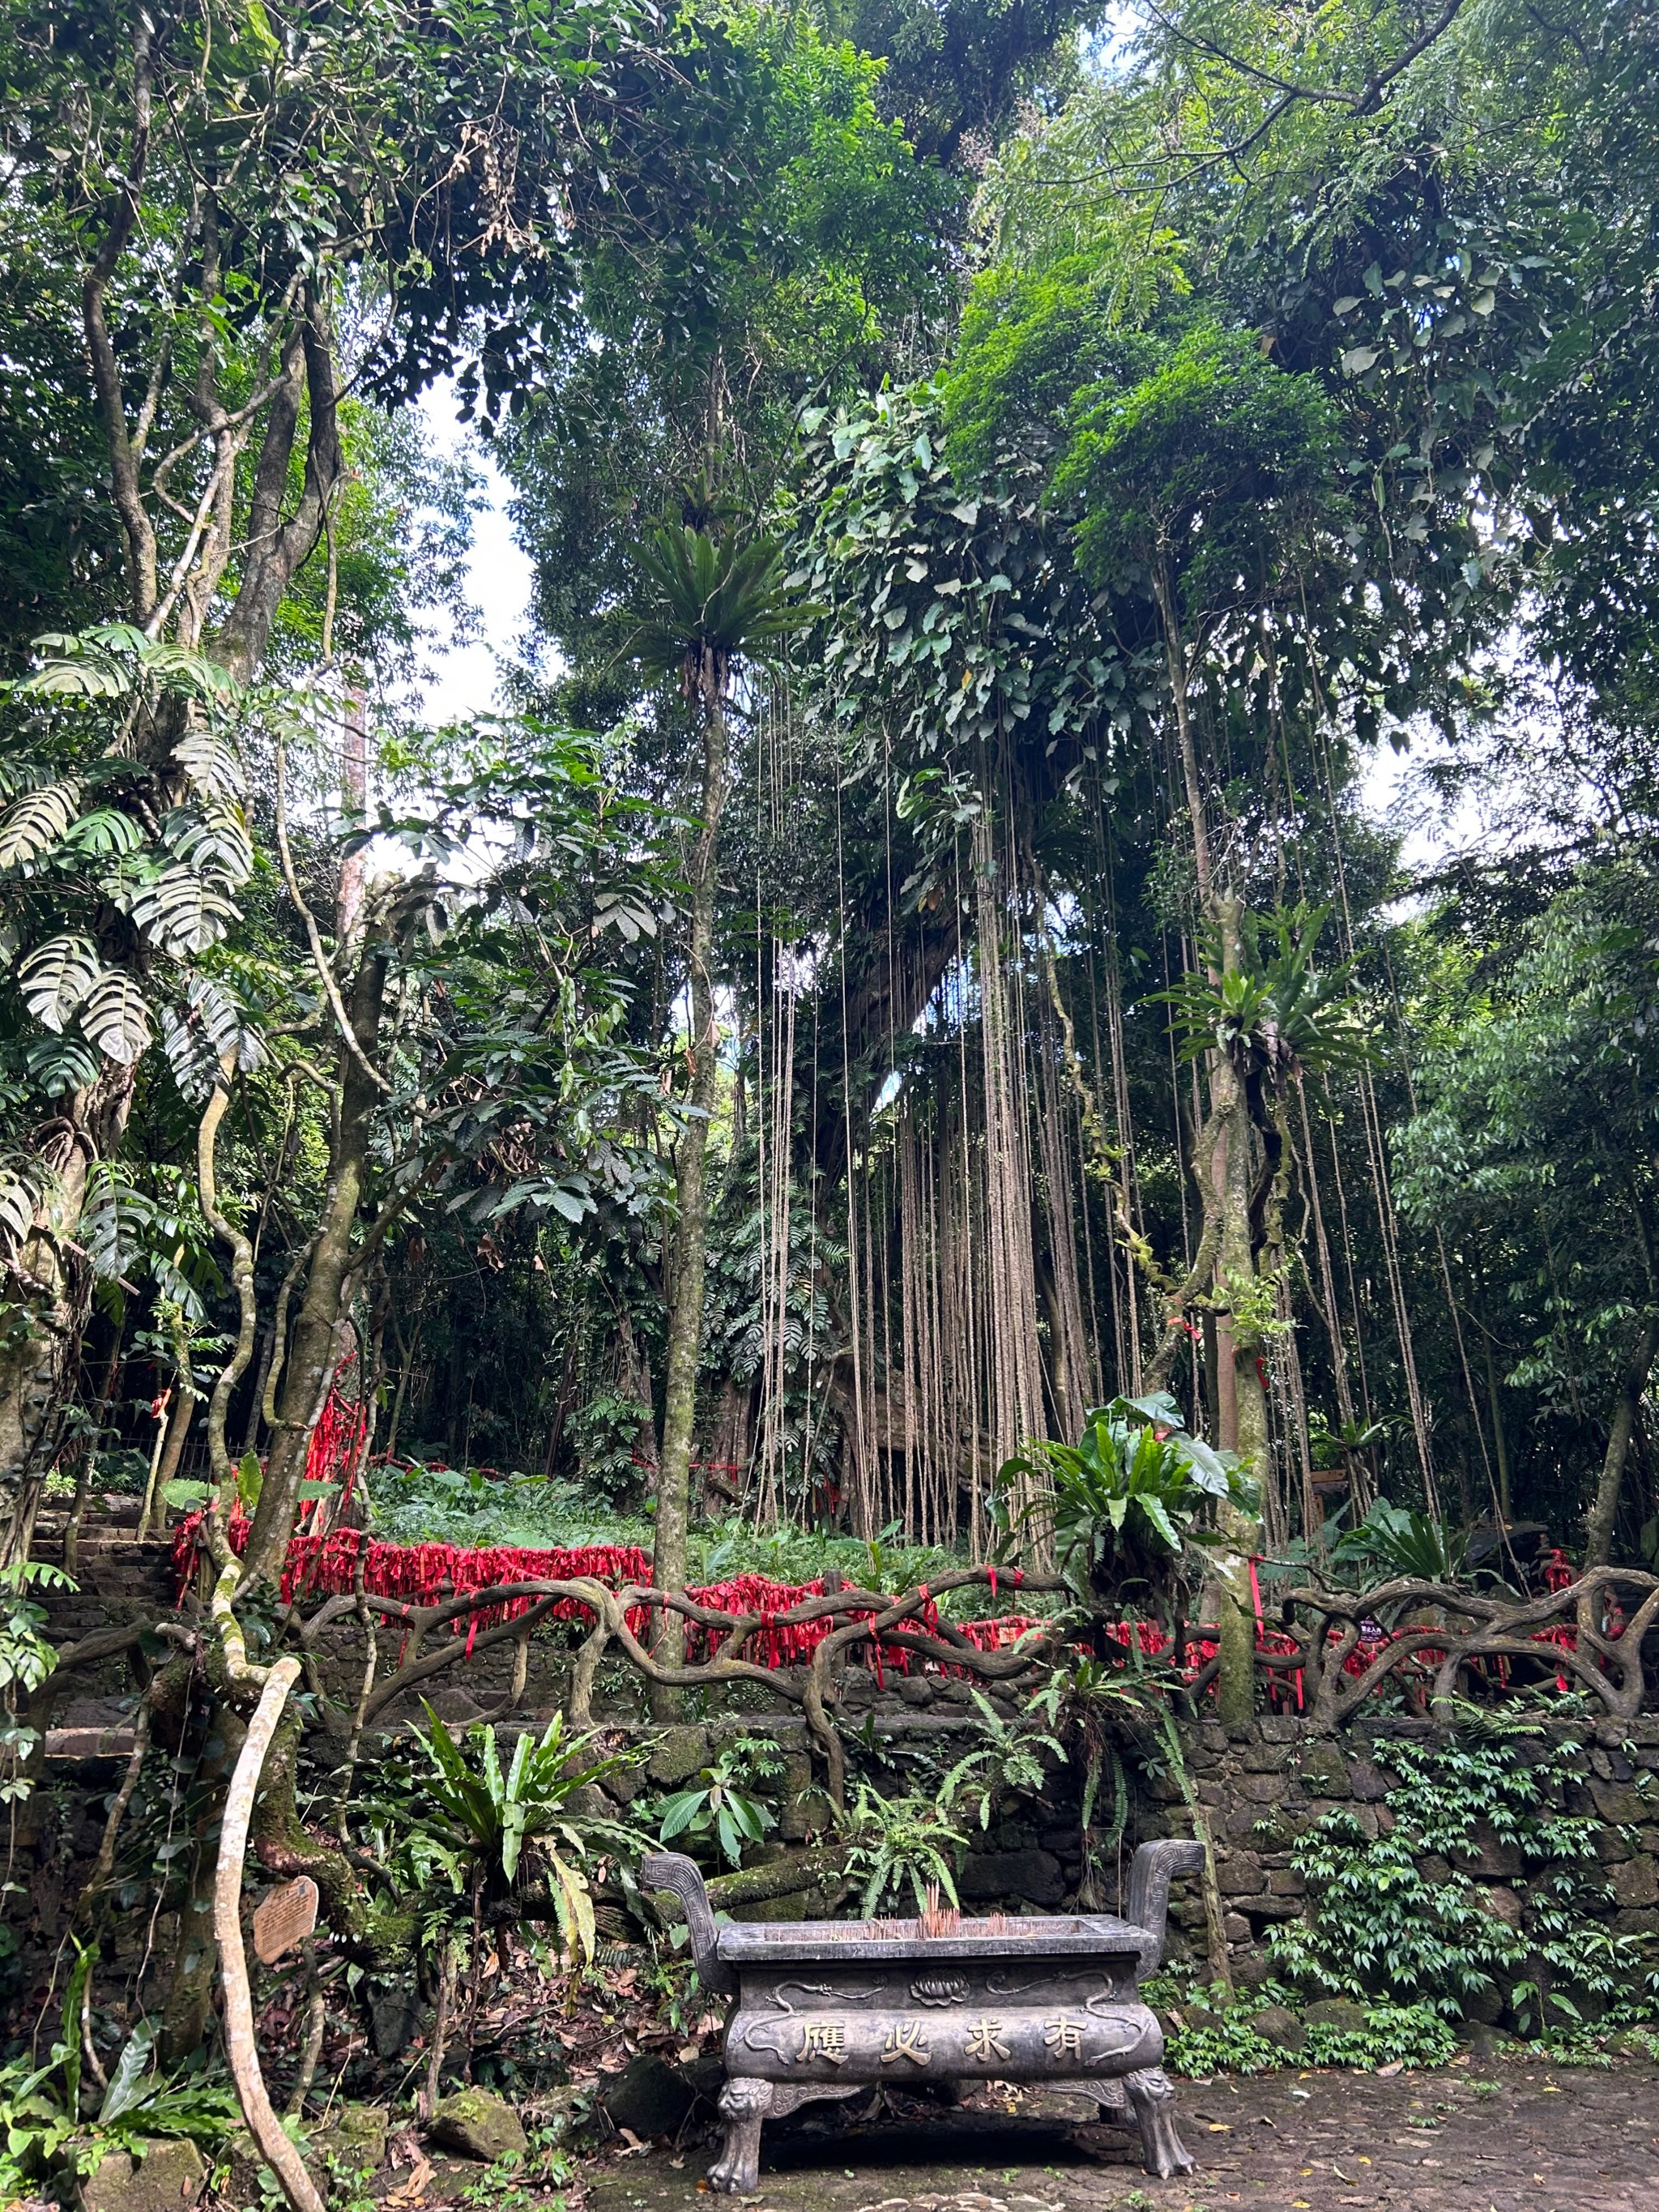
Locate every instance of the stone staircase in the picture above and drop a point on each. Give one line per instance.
(118, 1581)
(112, 1566)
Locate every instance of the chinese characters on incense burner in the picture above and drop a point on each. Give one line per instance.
(986, 2047)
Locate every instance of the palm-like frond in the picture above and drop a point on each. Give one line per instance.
(1278, 1011)
(710, 598)
(491, 1818)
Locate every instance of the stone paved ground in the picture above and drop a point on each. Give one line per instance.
(1477, 2136)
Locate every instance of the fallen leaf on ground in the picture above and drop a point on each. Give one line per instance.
(412, 2191)
(1393, 2066)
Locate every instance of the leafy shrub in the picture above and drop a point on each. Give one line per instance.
(1210, 2030)
(485, 1827)
(1008, 1757)
(25, 1660)
(1391, 1541)
(1213, 2032)
(1379, 1924)
(1401, 2035)
(42, 2134)
(1123, 1504)
(724, 1804)
(604, 1433)
(893, 1841)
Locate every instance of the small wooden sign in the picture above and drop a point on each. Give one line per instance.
(284, 1918)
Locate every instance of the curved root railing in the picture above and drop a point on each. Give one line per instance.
(1590, 1632)
(1323, 1651)
(907, 1625)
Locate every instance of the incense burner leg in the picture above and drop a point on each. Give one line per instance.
(1152, 2095)
(744, 2104)
(1110, 2098)
(1114, 2100)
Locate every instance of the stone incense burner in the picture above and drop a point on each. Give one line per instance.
(828, 2007)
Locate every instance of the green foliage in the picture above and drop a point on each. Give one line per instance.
(414, 1503)
(1277, 1014)
(955, 69)
(1207, 476)
(43, 2135)
(794, 1555)
(895, 1841)
(709, 600)
(1332, 1445)
(1391, 1541)
(1096, 1705)
(501, 1829)
(1009, 1757)
(956, 614)
(804, 258)
(606, 1433)
(25, 1660)
(1380, 1926)
(725, 1804)
(89, 834)
(1533, 1132)
(1124, 1503)
(1031, 339)
(1212, 2032)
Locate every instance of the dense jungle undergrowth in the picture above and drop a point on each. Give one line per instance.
(971, 1170)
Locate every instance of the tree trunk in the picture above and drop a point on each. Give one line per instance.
(1604, 1511)
(310, 1361)
(691, 1185)
(1239, 1343)
(42, 1328)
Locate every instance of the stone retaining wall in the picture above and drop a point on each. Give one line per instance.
(1263, 1786)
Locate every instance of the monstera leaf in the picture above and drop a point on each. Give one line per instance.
(214, 839)
(56, 977)
(107, 833)
(37, 820)
(197, 1036)
(180, 914)
(210, 763)
(58, 1065)
(114, 1016)
(20, 1194)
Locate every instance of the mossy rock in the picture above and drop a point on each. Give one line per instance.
(475, 2124)
(169, 2177)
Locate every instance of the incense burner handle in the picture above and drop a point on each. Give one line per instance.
(672, 1870)
(1146, 1904)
